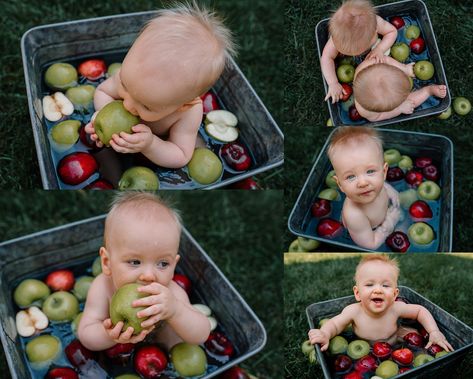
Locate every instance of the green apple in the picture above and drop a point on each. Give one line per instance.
(308, 244)
(66, 132)
(188, 360)
(97, 266)
(81, 287)
(421, 233)
(307, 347)
(412, 32)
(330, 181)
(400, 51)
(387, 369)
(392, 157)
(462, 106)
(204, 167)
(405, 163)
(330, 194)
(294, 247)
(121, 309)
(422, 359)
(428, 190)
(127, 376)
(322, 322)
(29, 292)
(424, 70)
(337, 345)
(113, 119)
(312, 357)
(411, 81)
(358, 348)
(441, 354)
(43, 349)
(81, 96)
(61, 306)
(75, 323)
(407, 197)
(61, 76)
(445, 115)
(139, 178)
(113, 68)
(329, 122)
(345, 73)
(346, 60)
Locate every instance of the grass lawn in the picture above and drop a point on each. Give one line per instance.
(444, 279)
(237, 229)
(257, 25)
(306, 113)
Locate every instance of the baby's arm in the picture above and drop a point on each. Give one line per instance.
(172, 304)
(389, 33)
(406, 107)
(407, 69)
(332, 327)
(425, 318)
(327, 64)
(106, 92)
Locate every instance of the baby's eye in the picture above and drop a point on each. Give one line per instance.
(369, 285)
(370, 172)
(350, 178)
(386, 285)
(163, 264)
(134, 262)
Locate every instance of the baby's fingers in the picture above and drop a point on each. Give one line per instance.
(446, 346)
(324, 347)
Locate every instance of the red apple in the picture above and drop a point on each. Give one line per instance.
(403, 369)
(382, 350)
(424, 333)
(329, 228)
(236, 156)
(92, 69)
(397, 21)
(61, 373)
(353, 114)
(209, 102)
(217, 343)
(353, 375)
(149, 361)
(347, 91)
(398, 242)
(184, 282)
(321, 208)
(431, 172)
(420, 210)
(417, 45)
(246, 184)
(119, 349)
(414, 339)
(343, 363)
(86, 140)
(99, 184)
(434, 349)
(421, 162)
(403, 356)
(414, 178)
(394, 174)
(60, 280)
(78, 354)
(76, 167)
(234, 373)
(366, 364)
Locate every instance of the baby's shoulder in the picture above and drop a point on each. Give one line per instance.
(101, 286)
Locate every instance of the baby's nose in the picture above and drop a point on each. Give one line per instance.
(147, 276)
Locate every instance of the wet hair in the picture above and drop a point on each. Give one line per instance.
(353, 26)
(381, 87)
(384, 258)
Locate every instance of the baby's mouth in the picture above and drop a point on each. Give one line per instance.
(377, 300)
(366, 193)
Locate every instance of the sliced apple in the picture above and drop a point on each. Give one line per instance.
(29, 321)
(203, 309)
(221, 117)
(221, 125)
(57, 106)
(213, 323)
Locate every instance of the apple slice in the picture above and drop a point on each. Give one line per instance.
(221, 125)
(203, 309)
(31, 320)
(57, 106)
(213, 323)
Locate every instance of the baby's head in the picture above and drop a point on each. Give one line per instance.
(141, 240)
(376, 282)
(353, 27)
(178, 56)
(356, 154)
(381, 87)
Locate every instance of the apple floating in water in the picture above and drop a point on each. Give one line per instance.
(61, 76)
(221, 125)
(414, 339)
(30, 292)
(81, 96)
(347, 91)
(412, 32)
(81, 287)
(60, 280)
(184, 282)
(394, 174)
(121, 309)
(403, 356)
(424, 70)
(66, 132)
(150, 361)
(422, 162)
(414, 178)
(43, 349)
(329, 228)
(417, 45)
(139, 178)
(387, 369)
(92, 69)
(398, 242)
(420, 210)
(188, 360)
(366, 364)
(61, 306)
(382, 350)
(358, 348)
(209, 102)
(321, 208)
(236, 156)
(342, 363)
(397, 21)
(431, 172)
(421, 233)
(61, 373)
(218, 344)
(78, 354)
(400, 51)
(353, 114)
(429, 190)
(345, 73)
(99, 184)
(422, 359)
(76, 168)
(204, 167)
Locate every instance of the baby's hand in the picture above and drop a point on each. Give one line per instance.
(409, 69)
(161, 305)
(407, 107)
(137, 142)
(437, 337)
(376, 55)
(89, 129)
(335, 91)
(317, 336)
(116, 334)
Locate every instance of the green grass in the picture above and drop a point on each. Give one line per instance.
(239, 230)
(306, 113)
(445, 280)
(257, 25)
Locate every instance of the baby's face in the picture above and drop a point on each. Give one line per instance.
(360, 170)
(141, 250)
(376, 286)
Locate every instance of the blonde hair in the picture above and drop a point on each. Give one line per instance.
(187, 32)
(353, 26)
(383, 258)
(345, 135)
(146, 204)
(381, 87)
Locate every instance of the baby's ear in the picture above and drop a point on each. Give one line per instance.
(177, 258)
(385, 169)
(105, 260)
(335, 177)
(356, 293)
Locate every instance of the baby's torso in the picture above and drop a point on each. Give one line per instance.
(373, 329)
(376, 210)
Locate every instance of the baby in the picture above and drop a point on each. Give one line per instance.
(141, 241)
(383, 90)
(356, 154)
(177, 57)
(375, 316)
(354, 30)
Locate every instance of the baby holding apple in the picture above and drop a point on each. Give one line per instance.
(354, 30)
(177, 57)
(375, 315)
(356, 154)
(141, 241)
